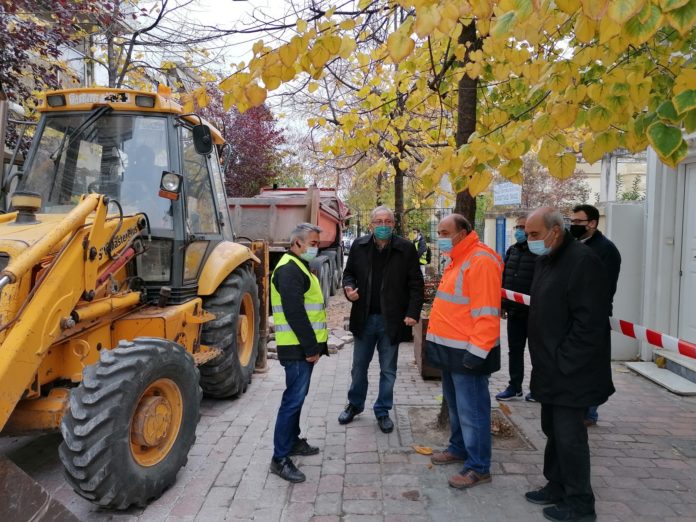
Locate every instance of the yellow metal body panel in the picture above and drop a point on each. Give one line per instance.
(225, 257)
(169, 323)
(39, 415)
(86, 99)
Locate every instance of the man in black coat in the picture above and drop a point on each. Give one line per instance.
(517, 276)
(383, 280)
(571, 359)
(583, 226)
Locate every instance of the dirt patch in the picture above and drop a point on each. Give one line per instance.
(338, 310)
(425, 432)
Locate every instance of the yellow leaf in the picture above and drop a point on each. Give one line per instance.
(549, 147)
(426, 20)
(594, 9)
(585, 29)
(301, 26)
(563, 166)
(479, 182)
(399, 46)
(599, 118)
(511, 168)
(257, 48)
(568, 6)
(288, 54)
(287, 73)
(188, 106)
(202, 98)
(313, 86)
(542, 125)
(621, 10)
(608, 29)
(684, 81)
(255, 94)
(347, 25)
(348, 45)
(590, 151)
(271, 82)
(564, 114)
(423, 450)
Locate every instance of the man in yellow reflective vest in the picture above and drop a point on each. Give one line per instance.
(464, 342)
(299, 316)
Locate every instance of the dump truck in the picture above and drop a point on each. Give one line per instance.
(123, 294)
(274, 212)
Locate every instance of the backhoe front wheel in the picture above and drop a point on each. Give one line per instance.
(235, 330)
(131, 423)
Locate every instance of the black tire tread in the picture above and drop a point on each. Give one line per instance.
(93, 437)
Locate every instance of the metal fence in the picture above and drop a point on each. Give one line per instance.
(425, 219)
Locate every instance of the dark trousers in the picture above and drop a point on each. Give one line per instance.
(287, 429)
(517, 339)
(567, 455)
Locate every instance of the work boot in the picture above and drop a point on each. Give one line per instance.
(469, 479)
(286, 469)
(385, 424)
(348, 414)
(302, 448)
(445, 457)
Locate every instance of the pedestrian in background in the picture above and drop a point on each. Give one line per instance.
(571, 360)
(299, 316)
(583, 226)
(517, 276)
(463, 340)
(383, 280)
(421, 247)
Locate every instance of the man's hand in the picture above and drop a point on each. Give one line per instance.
(313, 358)
(351, 293)
(409, 321)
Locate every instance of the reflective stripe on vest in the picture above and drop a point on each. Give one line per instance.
(460, 345)
(313, 305)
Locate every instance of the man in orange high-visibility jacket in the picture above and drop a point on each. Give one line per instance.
(464, 342)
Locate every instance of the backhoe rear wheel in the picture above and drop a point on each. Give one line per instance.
(235, 330)
(131, 423)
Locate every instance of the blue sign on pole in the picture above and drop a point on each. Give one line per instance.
(500, 235)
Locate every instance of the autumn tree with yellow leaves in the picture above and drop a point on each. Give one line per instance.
(464, 89)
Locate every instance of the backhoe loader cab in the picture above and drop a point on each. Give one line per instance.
(123, 292)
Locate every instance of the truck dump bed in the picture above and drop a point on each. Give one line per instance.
(275, 212)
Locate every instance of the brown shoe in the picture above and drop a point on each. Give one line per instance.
(445, 457)
(468, 479)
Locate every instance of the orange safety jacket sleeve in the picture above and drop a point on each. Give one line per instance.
(485, 282)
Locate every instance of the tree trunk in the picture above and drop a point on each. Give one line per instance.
(398, 196)
(466, 125)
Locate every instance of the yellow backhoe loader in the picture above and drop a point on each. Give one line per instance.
(123, 295)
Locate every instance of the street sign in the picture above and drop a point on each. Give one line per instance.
(507, 194)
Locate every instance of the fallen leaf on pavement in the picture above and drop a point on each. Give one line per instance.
(423, 450)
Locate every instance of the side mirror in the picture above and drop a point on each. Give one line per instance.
(202, 139)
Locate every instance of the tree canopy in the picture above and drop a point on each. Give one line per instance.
(562, 78)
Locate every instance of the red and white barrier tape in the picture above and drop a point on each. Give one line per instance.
(629, 329)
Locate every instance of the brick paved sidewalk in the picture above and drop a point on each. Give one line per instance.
(643, 459)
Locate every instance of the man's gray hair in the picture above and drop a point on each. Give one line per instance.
(381, 209)
(302, 230)
(553, 218)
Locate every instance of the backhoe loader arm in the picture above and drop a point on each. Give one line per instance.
(81, 247)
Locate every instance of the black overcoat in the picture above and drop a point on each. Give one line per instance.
(569, 328)
(402, 286)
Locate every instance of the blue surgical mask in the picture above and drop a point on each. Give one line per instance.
(538, 247)
(444, 244)
(383, 232)
(520, 236)
(310, 254)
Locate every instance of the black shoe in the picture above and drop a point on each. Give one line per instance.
(529, 397)
(302, 448)
(348, 414)
(385, 424)
(286, 470)
(542, 497)
(565, 513)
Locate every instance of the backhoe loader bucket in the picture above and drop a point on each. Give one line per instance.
(22, 498)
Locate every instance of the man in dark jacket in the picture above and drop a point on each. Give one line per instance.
(383, 280)
(301, 333)
(571, 359)
(583, 226)
(421, 247)
(517, 276)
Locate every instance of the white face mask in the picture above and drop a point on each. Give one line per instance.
(538, 246)
(310, 253)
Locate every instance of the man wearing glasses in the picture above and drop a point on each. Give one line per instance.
(383, 280)
(583, 226)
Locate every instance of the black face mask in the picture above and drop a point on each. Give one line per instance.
(577, 231)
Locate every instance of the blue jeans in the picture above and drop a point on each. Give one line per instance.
(374, 334)
(592, 413)
(469, 404)
(287, 428)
